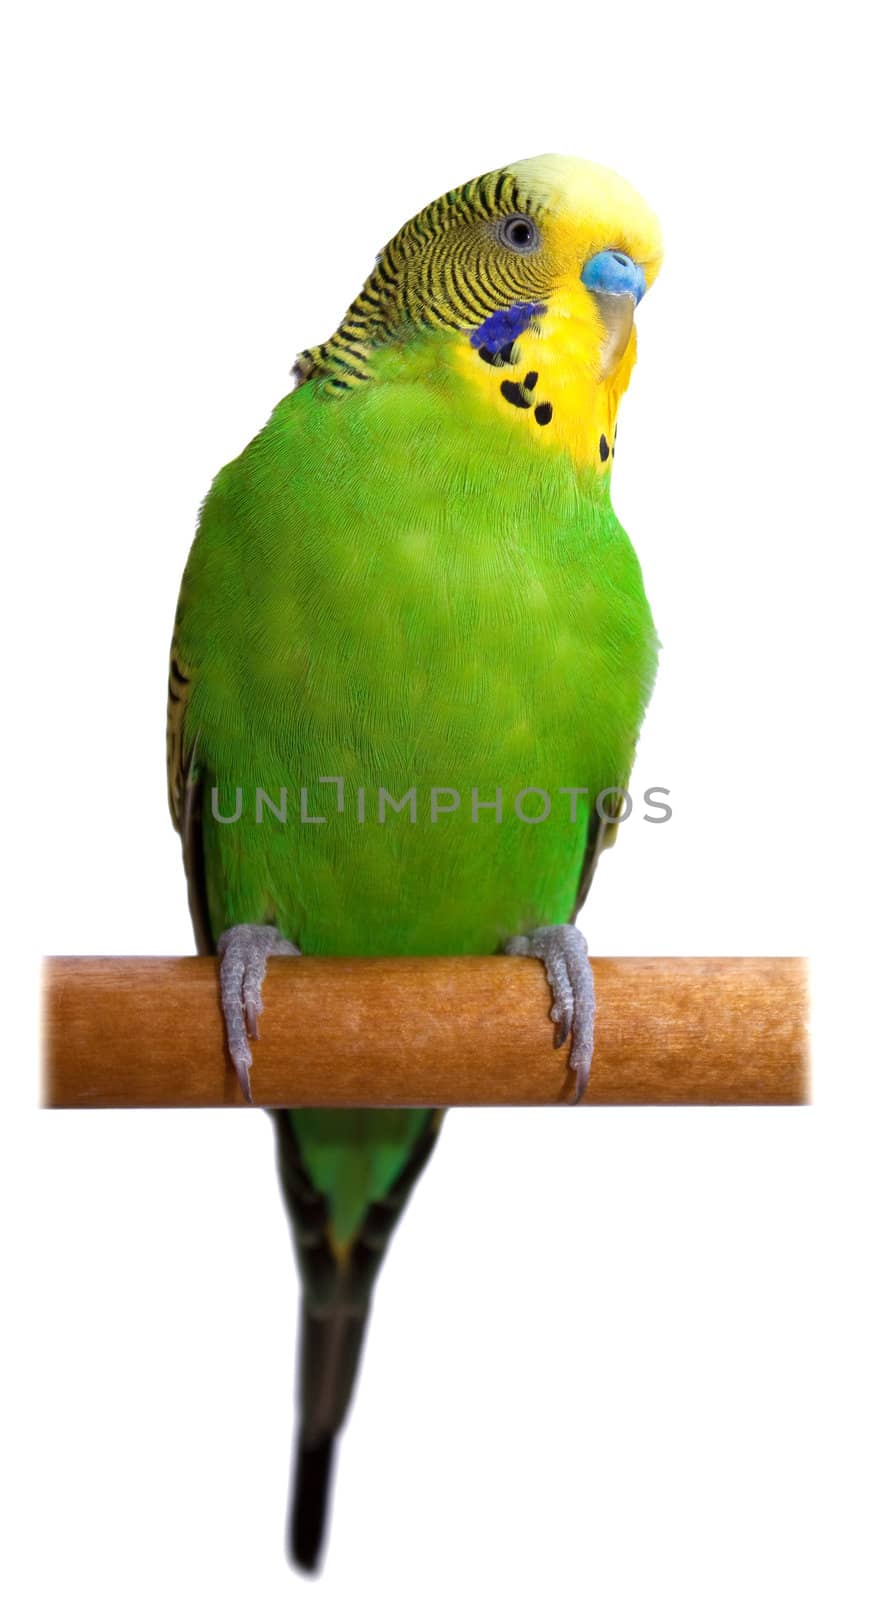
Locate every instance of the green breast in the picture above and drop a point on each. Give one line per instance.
(393, 589)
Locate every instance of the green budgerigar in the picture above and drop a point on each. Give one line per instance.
(410, 611)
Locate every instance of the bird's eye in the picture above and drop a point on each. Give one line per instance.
(519, 234)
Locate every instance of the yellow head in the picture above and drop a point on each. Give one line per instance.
(582, 209)
(536, 270)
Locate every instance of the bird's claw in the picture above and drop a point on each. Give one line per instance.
(563, 951)
(243, 953)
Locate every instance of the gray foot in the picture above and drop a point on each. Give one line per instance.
(243, 951)
(564, 954)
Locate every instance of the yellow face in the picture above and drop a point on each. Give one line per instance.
(561, 378)
(583, 209)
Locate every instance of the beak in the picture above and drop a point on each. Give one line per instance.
(616, 283)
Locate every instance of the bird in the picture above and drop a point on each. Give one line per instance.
(410, 607)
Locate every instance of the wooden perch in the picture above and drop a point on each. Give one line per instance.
(446, 1031)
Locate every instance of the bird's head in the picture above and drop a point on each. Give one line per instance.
(534, 269)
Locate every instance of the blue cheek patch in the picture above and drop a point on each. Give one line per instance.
(502, 327)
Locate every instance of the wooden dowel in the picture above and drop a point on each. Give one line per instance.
(446, 1031)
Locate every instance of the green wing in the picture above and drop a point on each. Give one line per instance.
(345, 1177)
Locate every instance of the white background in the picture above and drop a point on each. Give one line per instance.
(618, 1354)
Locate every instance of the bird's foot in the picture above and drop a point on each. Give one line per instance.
(563, 951)
(243, 951)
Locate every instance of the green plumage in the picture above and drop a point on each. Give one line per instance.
(383, 590)
(396, 587)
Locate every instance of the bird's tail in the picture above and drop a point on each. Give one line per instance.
(331, 1344)
(334, 1315)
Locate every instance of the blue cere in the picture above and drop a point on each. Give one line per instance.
(612, 272)
(502, 327)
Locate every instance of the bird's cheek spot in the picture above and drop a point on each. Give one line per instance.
(499, 330)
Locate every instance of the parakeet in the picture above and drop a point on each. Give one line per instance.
(412, 650)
